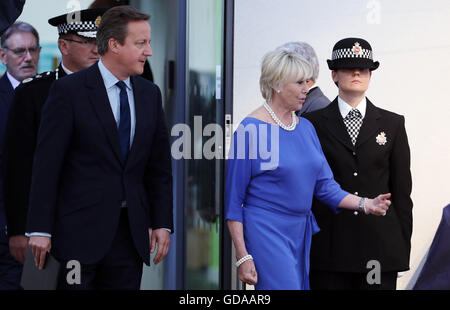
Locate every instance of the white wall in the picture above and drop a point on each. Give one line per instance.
(411, 41)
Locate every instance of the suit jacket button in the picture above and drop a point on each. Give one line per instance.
(355, 213)
(354, 153)
(355, 174)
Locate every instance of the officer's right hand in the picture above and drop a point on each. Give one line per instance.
(18, 247)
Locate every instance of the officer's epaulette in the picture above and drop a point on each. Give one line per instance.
(40, 76)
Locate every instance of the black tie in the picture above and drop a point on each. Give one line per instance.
(353, 122)
(125, 120)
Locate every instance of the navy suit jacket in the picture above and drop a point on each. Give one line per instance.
(80, 178)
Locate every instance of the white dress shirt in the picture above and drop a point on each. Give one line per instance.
(12, 80)
(344, 107)
(113, 92)
(68, 72)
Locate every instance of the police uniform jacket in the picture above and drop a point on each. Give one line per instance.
(21, 134)
(6, 96)
(379, 163)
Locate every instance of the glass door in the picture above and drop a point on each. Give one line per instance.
(204, 116)
(165, 23)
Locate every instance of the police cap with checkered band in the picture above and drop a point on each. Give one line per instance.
(83, 23)
(352, 53)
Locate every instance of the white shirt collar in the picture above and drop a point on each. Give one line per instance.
(344, 107)
(12, 80)
(65, 69)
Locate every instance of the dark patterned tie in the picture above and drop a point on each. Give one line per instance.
(353, 122)
(125, 120)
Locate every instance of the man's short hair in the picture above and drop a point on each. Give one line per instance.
(114, 25)
(278, 67)
(18, 27)
(305, 50)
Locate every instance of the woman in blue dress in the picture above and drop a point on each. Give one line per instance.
(273, 172)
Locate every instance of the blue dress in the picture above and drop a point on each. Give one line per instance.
(272, 176)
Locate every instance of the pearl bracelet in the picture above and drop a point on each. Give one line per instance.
(362, 205)
(243, 259)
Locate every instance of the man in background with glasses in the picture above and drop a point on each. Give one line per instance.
(78, 45)
(20, 54)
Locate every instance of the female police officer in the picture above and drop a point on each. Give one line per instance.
(367, 150)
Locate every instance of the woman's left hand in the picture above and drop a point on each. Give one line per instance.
(379, 205)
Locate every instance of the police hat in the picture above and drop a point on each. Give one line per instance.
(83, 23)
(352, 53)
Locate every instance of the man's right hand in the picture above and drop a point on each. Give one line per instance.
(18, 247)
(39, 247)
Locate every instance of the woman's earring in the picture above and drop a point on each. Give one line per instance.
(278, 91)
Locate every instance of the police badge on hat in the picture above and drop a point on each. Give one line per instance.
(85, 23)
(356, 48)
(98, 20)
(352, 53)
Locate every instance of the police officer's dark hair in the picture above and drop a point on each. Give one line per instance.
(114, 25)
(18, 27)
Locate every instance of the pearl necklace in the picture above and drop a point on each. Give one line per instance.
(291, 127)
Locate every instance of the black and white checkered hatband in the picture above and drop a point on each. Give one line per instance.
(85, 29)
(352, 53)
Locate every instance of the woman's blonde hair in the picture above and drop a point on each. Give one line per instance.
(278, 67)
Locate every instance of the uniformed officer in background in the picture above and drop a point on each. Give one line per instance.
(78, 45)
(20, 53)
(368, 152)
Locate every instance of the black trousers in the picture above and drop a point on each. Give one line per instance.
(10, 269)
(120, 269)
(330, 280)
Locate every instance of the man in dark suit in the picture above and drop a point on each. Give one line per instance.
(101, 190)
(315, 99)
(20, 54)
(367, 150)
(78, 46)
